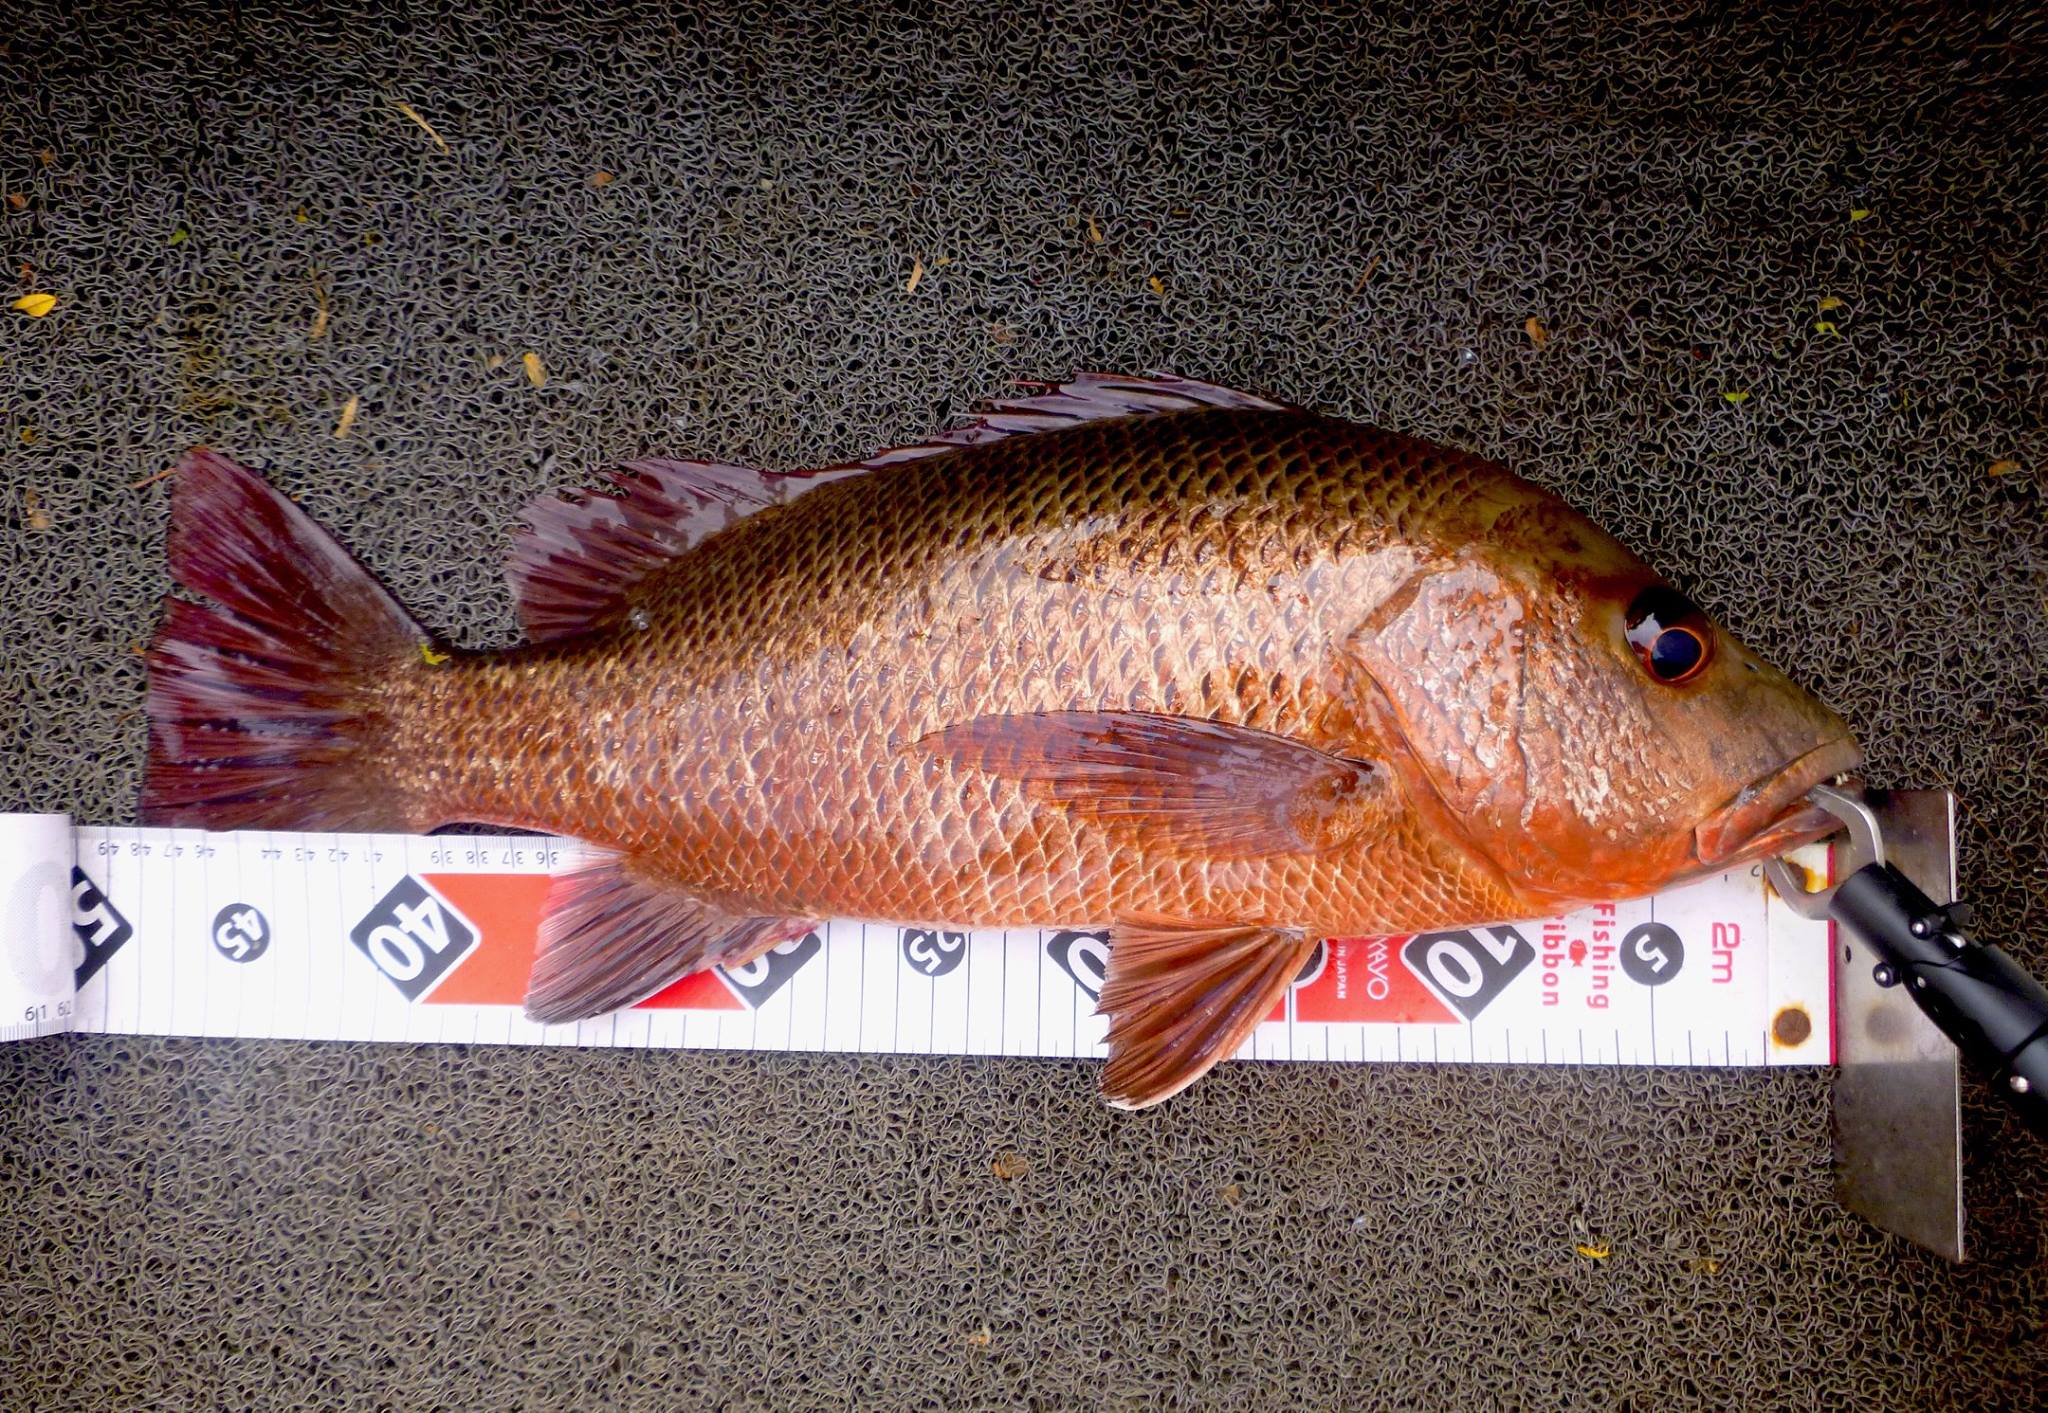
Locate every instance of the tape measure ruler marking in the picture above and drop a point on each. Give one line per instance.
(428, 939)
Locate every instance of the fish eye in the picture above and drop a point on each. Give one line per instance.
(1669, 635)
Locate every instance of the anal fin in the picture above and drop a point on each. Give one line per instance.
(609, 938)
(1182, 996)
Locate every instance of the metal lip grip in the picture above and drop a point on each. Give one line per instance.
(1993, 1011)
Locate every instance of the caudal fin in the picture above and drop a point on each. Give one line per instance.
(259, 700)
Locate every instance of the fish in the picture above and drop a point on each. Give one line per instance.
(1214, 673)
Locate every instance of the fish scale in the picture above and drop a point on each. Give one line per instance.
(794, 782)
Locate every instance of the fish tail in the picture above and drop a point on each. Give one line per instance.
(264, 709)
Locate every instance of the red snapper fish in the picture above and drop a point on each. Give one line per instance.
(1218, 674)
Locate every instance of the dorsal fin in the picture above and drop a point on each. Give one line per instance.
(1086, 397)
(581, 552)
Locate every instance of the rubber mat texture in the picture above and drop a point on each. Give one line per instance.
(1786, 267)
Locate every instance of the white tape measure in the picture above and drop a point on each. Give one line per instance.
(409, 938)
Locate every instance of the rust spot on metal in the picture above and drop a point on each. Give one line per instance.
(1791, 1026)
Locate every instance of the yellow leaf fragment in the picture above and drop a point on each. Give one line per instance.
(1232, 1194)
(1595, 1251)
(495, 362)
(424, 126)
(180, 236)
(1859, 213)
(348, 417)
(1737, 398)
(1823, 326)
(2002, 467)
(36, 305)
(430, 657)
(536, 371)
(319, 329)
(1829, 302)
(1009, 1165)
(32, 513)
(1538, 335)
(1094, 232)
(1704, 1266)
(916, 274)
(980, 1338)
(1158, 286)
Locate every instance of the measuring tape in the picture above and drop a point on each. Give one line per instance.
(429, 939)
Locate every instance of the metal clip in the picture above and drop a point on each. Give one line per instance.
(1866, 846)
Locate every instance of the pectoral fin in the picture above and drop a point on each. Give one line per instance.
(1189, 782)
(1182, 996)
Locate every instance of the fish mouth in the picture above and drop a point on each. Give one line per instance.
(1771, 816)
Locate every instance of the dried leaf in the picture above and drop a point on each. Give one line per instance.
(1001, 334)
(47, 157)
(495, 362)
(1737, 398)
(18, 201)
(1859, 213)
(916, 274)
(942, 262)
(600, 178)
(1357, 288)
(1823, 326)
(1094, 232)
(1598, 1251)
(319, 329)
(424, 126)
(28, 434)
(32, 513)
(1704, 1266)
(348, 417)
(1009, 1165)
(1830, 302)
(150, 480)
(2003, 467)
(1232, 1194)
(536, 371)
(36, 305)
(1538, 335)
(1158, 286)
(980, 1338)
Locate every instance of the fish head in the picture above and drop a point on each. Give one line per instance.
(1582, 724)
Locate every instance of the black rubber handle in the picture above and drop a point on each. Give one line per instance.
(1996, 1014)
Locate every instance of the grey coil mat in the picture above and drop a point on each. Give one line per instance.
(1352, 210)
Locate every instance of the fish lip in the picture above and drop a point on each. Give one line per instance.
(1771, 815)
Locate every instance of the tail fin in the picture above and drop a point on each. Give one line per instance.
(257, 708)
